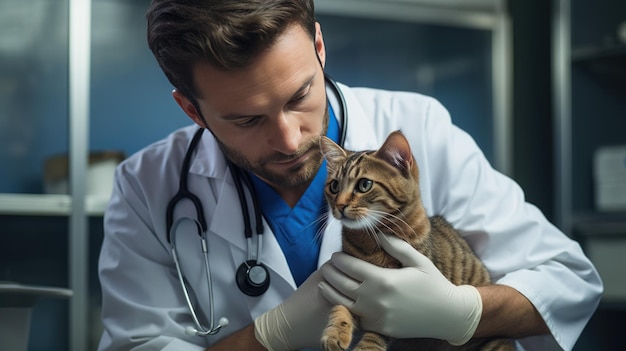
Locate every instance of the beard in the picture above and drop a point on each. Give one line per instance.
(297, 175)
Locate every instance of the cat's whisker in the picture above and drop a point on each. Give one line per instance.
(390, 230)
(371, 228)
(323, 219)
(402, 221)
(368, 225)
(394, 221)
(404, 216)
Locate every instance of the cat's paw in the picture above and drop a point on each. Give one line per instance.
(372, 342)
(338, 334)
(336, 340)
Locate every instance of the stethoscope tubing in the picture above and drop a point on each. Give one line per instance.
(183, 191)
(205, 253)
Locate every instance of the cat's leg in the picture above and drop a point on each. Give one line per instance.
(372, 342)
(338, 334)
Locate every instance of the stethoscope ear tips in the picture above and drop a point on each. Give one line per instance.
(222, 322)
(253, 278)
(191, 331)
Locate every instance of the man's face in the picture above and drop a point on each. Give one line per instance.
(268, 117)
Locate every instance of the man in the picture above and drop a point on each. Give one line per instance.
(251, 74)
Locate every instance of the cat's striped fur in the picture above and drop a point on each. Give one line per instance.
(378, 191)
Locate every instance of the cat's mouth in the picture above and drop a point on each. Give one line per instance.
(368, 221)
(352, 223)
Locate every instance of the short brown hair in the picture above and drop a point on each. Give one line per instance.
(227, 34)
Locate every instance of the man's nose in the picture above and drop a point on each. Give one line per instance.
(287, 135)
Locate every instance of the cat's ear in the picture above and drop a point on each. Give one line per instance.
(397, 152)
(332, 152)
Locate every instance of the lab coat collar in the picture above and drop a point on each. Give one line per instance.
(208, 160)
(226, 218)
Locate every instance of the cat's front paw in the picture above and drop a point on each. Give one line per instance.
(336, 341)
(338, 334)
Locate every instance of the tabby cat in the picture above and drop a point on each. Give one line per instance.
(380, 190)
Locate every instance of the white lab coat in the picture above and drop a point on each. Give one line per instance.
(142, 301)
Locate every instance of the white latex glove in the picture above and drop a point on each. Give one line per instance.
(297, 322)
(415, 301)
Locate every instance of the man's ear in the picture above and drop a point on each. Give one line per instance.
(189, 108)
(319, 44)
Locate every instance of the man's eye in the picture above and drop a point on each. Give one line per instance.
(300, 98)
(247, 122)
(297, 100)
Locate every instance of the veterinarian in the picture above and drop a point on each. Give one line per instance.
(213, 239)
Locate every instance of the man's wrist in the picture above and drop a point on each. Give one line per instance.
(269, 330)
(243, 339)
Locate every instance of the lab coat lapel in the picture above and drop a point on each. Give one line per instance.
(226, 217)
(331, 241)
(360, 134)
(228, 224)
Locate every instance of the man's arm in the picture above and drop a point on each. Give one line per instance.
(508, 313)
(243, 339)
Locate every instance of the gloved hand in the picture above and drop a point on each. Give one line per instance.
(297, 322)
(415, 301)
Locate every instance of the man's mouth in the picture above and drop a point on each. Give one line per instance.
(292, 160)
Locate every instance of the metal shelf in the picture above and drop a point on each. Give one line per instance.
(478, 14)
(48, 205)
(605, 61)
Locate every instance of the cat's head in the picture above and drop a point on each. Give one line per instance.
(365, 189)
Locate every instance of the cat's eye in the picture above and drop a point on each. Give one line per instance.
(364, 185)
(333, 186)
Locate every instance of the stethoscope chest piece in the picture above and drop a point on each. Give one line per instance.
(253, 278)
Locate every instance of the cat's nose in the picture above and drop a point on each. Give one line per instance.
(341, 209)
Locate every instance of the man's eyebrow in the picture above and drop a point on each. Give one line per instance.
(303, 87)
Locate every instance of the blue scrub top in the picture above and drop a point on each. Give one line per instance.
(299, 230)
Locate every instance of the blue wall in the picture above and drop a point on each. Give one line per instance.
(451, 64)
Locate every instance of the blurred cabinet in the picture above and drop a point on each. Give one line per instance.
(70, 83)
(590, 77)
(34, 81)
(590, 100)
(34, 124)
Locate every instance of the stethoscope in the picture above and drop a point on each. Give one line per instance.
(252, 277)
